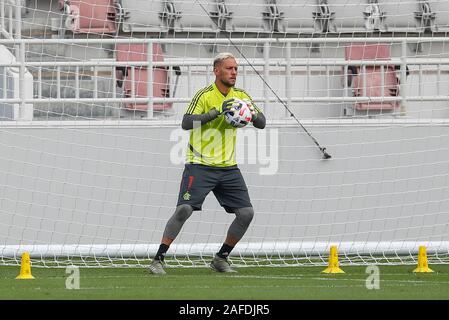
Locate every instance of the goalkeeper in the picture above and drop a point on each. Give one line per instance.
(211, 164)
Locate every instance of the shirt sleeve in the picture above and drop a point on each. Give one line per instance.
(196, 105)
(189, 120)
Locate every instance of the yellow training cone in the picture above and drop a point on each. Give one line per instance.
(25, 267)
(333, 262)
(423, 265)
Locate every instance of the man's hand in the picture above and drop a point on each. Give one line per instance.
(227, 106)
(249, 103)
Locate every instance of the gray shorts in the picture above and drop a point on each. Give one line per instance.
(227, 184)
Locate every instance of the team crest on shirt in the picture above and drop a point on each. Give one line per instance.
(187, 196)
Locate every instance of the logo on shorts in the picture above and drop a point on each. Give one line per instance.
(186, 196)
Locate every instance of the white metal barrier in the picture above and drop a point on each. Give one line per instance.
(285, 64)
(11, 86)
(11, 18)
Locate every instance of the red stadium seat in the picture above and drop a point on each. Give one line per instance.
(138, 52)
(373, 76)
(90, 16)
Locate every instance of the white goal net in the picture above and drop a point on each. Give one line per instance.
(92, 152)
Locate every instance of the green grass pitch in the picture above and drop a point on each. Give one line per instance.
(261, 283)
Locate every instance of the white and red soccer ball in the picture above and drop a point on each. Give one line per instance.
(241, 116)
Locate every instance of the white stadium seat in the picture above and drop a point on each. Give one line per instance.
(221, 15)
(350, 15)
(194, 17)
(441, 10)
(401, 15)
(298, 15)
(142, 16)
(163, 16)
(247, 16)
(392, 16)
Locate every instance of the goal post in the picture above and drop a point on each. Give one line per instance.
(66, 196)
(93, 178)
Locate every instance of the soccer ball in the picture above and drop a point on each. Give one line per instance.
(241, 116)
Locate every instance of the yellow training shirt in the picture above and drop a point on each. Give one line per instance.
(213, 144)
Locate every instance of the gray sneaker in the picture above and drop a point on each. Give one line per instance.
(221, 265)
(156, 267)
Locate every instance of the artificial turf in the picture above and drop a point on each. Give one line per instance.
(258, 283)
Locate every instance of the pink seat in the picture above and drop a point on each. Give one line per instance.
(90, 16)
(138, 52)
(373, 76)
